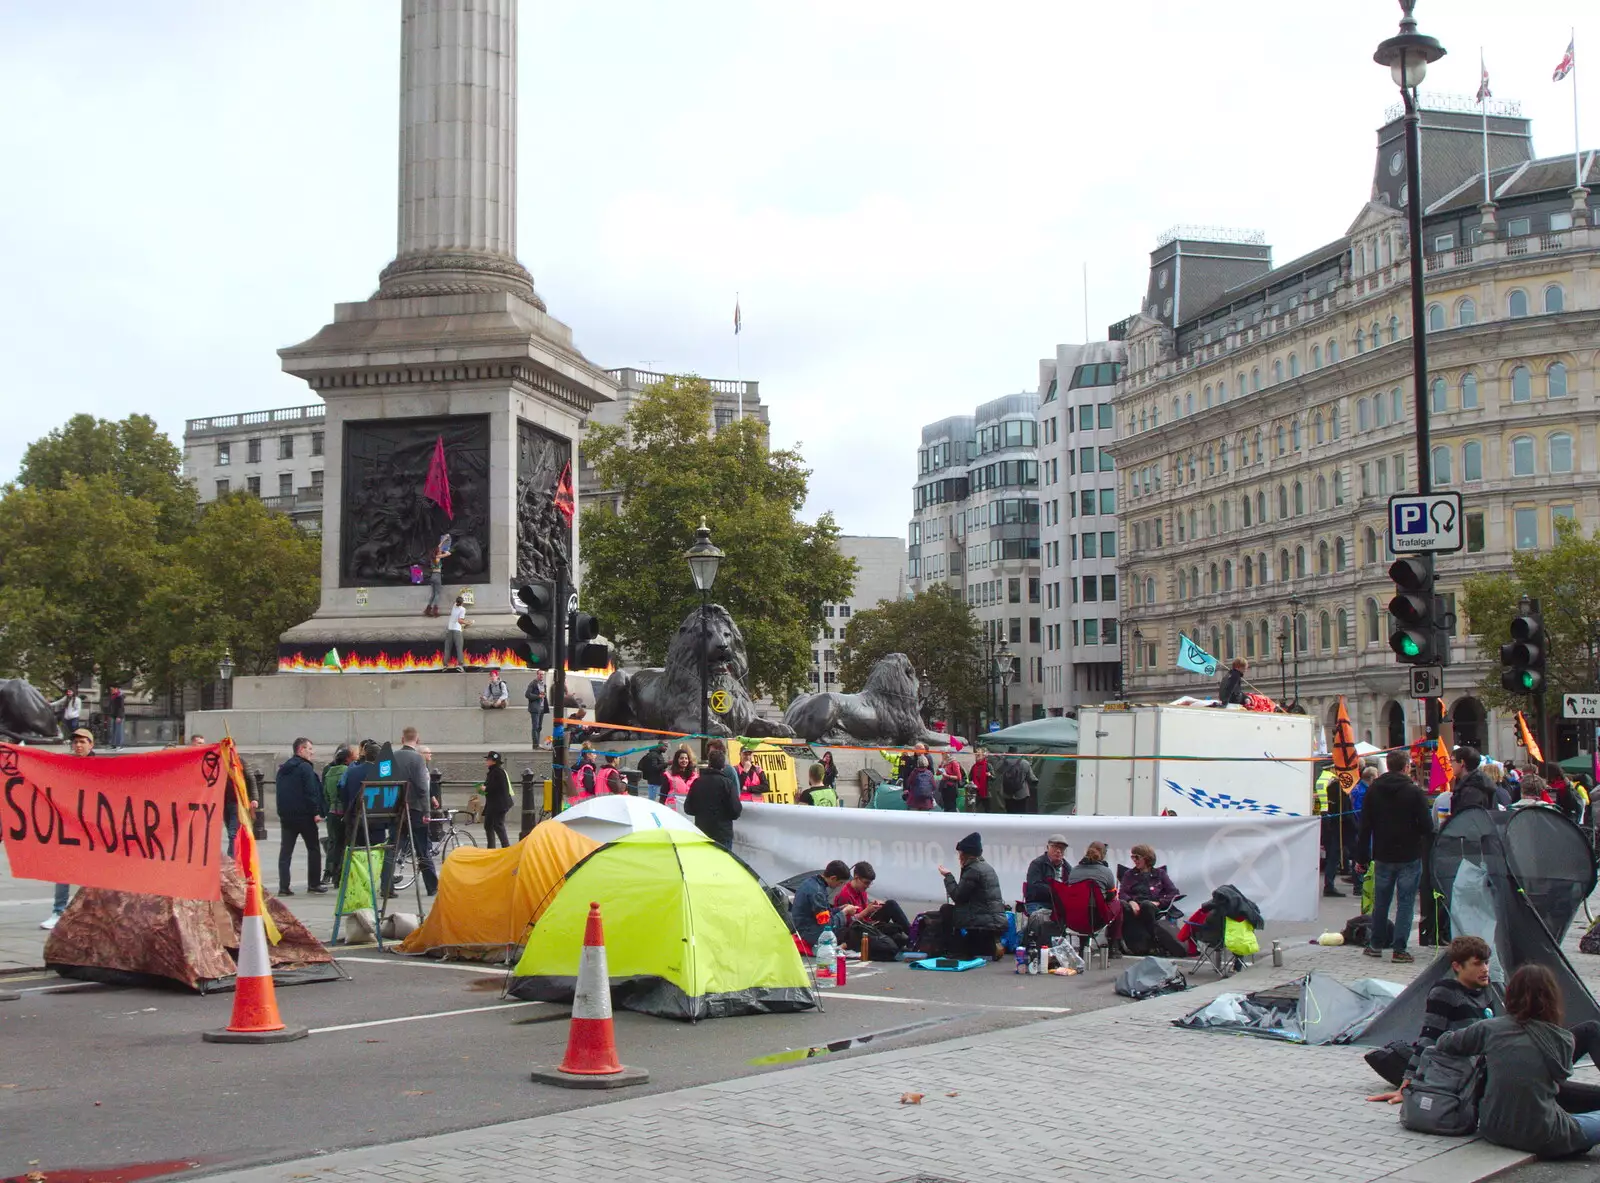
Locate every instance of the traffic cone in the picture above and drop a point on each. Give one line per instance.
(591, 1060)
(255, 1004)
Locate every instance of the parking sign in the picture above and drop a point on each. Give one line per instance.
(1425, 523)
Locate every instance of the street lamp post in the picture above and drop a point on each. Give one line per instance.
(1408, 55)
(1296, 632)
(1283, 666)
(704, 559)
(1005, 657)
(1138, 646)
(225, 672)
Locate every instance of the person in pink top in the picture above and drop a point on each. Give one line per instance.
(679, 777)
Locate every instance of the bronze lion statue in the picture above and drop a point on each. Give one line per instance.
(25, 714)
(886, 711)
(668, 699)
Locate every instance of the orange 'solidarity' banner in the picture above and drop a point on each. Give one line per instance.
(150, 822)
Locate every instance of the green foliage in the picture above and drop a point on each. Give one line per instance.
(937, 630)
(242, 578)
(669, 469)
(1566, 581)
(138, 459)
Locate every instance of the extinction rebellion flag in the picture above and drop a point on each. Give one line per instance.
(150, 822)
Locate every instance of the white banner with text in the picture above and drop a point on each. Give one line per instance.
(1272, 860)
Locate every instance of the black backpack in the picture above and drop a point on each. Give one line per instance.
(1443, 1096)
(1015, 779)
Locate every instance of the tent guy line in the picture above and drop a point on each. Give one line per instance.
(438, 1014)
(471, 969)
(1050, 1010)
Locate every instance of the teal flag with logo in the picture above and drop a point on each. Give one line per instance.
(1195, 659)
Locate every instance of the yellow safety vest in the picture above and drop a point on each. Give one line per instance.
(1323, 782)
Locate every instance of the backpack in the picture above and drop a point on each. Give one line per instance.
(1358, 930)
(1015, 779)
(1443, 1096)
(1150, 976)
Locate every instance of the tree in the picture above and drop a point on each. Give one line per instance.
(138, 458)
(937, 630)
(669, 468)
(1566, 581)
(244, 576)
(76, 565)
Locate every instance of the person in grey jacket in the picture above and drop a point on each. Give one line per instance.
(1528, 1055)
(976, 914)
(410, 767)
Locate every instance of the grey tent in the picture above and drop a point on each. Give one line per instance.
(1315, 1010)
(1517, 880)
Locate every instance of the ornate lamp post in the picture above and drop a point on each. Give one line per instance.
(704, 559)
(1008, 674)
(225, 672)
(1297, 634)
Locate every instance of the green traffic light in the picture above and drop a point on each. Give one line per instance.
(1409, 647)
(1526, 678)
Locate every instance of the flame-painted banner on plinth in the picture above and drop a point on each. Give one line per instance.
(149, 822)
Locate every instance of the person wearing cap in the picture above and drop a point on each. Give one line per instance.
(653, 768)
(975, 917)
(1050, 867)
(496, 799)
(496, 695)
(585, 776)
(82, 740)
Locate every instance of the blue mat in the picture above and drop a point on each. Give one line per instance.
(949, 963)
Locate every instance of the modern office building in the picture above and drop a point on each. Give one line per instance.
(276, 455)
(1083, 643)
(1265, 414)
(975, 529)
(880, 575)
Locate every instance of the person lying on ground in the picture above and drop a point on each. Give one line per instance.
(814, 898)
(1529, 1055)
(1456, 1001)
(856, 893)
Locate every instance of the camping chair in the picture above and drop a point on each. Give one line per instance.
(1206, 934)
(1081, 909)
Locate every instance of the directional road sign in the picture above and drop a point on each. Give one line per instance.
(1580, 706)
(1422, 524)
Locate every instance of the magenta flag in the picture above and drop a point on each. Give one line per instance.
(437, 486)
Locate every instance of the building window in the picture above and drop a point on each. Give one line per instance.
(1294, 435)
(224, 454)
(830, 677)
(1527, 529)
(1475, 540)
(1325, 632)
(844, 609)
(1108, 545)
(1435, 318)
(1316, 357)
(827, 609)
(1363, 415)
(1441, 396)
(1300, 562)
(1441, 465)
(1472, 461)
(1371, 546)
(1517, 301)
(1560, 452)
(1322, 558)
(1088, 547)
(1371, 607)
(316, 480)
(1277, 370)
(1255, 378)
(1091, 632)
(286, 484)
(1555, 300)
(1299, 499)
(286, 447)
(1361, 342)
(1522, 456)
(1556, 380)
(1333, 351)
(1521, 385)
(252, 450)
(252, 485)
(222, 488)
(1559, 514)
(1394, 329)
(1149, 589)
(316, 443)
(1294, 365)
(1469, 391)
(1466, 311)
(1344, 628)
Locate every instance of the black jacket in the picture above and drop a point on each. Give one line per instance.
(496, 790)
(1232, 688)
(1396, 817)
(714, 803)
(652, 765)
(1476, 791)
(1036, 887)
(977, 899)
(299, 790)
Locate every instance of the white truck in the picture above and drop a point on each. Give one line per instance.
(1267, 770)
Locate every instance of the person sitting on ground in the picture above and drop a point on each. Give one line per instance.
(920, 791)
(496, 695)
(975, 917)
(885, 915)
(1533, 793)
(1456, 1001)
(1529, 1055)
(1092, 866)
(815, 792)
(814, 898)
(679, 777)
(1049, 867)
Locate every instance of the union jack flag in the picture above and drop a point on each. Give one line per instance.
(1483, 87)
(1568, 60)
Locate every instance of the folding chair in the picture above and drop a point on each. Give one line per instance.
(1206, 934)
(1081, 909)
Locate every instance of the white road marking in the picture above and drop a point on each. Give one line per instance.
(1052, 1010)
(26, 903)
(441, 1014)
(471, 969)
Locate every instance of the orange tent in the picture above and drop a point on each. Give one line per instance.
(488, 899)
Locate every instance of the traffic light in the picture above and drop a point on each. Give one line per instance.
(582, 652)
(537, 620)
(1415, 639)
(1524, 657)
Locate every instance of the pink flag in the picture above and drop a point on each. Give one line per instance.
(437, 487)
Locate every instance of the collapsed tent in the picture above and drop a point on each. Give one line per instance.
(130, 938)
(1517, 880)
(616, 815)
(1315, 1010)
(690, 934)
(488, 898)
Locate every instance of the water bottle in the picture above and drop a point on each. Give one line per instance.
(826, 953)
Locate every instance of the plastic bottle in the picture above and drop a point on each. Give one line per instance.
(1022, 958)
(826, 955)
(839, 972)
(1033, 958)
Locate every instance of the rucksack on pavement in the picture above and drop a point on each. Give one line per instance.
(1443, 1096)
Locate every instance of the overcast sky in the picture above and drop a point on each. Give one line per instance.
(905, 194)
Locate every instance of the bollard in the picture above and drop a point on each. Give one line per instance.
(530, 809)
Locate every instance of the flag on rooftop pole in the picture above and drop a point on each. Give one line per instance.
(738, 320)
(1569, 65)
(1568, 60)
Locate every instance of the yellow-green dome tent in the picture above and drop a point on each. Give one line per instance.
(690, 934)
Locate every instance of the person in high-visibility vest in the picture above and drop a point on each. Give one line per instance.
(817, 793)
(1322, 789)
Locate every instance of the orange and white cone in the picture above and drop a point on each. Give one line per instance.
(255, 1002)
(591, 1060)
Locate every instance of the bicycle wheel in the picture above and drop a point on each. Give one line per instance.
(405, 871)
(446, 844)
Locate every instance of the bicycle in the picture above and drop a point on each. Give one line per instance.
(449, 837)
